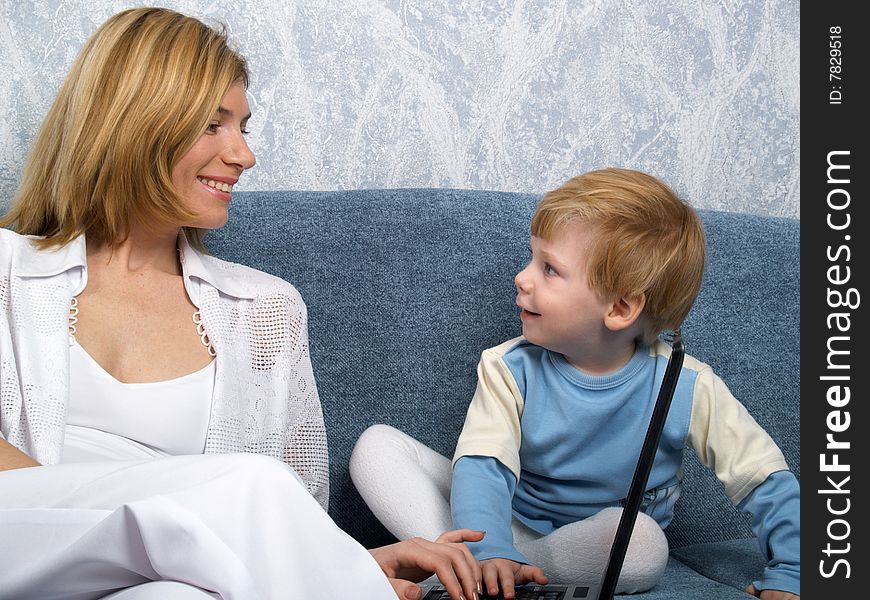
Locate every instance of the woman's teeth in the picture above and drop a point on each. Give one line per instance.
(218, 185)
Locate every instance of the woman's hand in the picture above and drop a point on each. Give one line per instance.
(770, 594)
(503, 574)
(410, 561)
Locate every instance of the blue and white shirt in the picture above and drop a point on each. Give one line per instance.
(549, 445)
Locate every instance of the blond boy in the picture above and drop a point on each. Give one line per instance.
(554, 429)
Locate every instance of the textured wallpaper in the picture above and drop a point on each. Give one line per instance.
(514, 95)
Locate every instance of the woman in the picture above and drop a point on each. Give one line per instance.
(147, 389)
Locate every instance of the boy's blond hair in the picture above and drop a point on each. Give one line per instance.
(645, 240)
(140, 93)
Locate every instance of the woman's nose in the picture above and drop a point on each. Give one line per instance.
(239, 153)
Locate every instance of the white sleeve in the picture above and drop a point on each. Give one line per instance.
(728, 440)
(492, 424)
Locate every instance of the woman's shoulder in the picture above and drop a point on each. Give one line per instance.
(244, 281)
(9, 244)
(23, 254)
(12, 240)
(8, 239)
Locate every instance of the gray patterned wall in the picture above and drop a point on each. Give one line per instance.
(513, 95)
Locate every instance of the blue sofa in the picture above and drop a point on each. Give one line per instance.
(405, 288)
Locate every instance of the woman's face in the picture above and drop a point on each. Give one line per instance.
(206, 174)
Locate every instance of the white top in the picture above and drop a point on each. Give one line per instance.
(265, 399)
(109, 419)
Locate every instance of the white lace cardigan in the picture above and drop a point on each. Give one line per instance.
(265, 399)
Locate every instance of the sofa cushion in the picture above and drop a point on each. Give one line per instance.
(732, 562)
(680, 582)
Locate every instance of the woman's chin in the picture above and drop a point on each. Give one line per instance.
(212, 222)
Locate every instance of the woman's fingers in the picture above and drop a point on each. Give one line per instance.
(448, 558)
(456, 539)
(475, 566)
(456, 569)
(460, 535)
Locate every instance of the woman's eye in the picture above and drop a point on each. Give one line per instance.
(212, 127)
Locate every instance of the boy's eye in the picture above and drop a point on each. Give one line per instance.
(549, 270)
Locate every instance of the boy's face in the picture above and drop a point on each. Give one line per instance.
(560, 311)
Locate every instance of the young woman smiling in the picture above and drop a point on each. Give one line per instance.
(160, 430)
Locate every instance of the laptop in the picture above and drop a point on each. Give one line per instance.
(606, 587)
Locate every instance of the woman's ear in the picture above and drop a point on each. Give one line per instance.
(624, 312)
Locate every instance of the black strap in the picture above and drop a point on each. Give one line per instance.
(642, 471)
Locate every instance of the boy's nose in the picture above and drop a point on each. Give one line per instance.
(522, 280)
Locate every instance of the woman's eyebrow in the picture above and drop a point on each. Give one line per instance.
(228, 113)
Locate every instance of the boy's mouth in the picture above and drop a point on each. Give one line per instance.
(526, 315)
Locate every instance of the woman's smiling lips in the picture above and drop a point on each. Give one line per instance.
(222, 187)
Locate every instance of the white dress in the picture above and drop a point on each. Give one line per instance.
(135, 511)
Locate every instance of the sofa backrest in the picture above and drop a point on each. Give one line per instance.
(406, 287)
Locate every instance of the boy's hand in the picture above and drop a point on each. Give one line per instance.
(502, 574)
(770, 594)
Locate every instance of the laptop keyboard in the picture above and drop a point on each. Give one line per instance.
(526, 592)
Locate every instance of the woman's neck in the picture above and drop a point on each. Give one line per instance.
(142, 252)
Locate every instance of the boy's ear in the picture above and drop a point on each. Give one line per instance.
(624, 312)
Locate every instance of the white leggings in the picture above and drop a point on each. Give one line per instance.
(407, 486)
(233, 527)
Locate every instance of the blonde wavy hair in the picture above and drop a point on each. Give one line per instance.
(645, 240)
(140, 93)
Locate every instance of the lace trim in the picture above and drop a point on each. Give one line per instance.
(203, 336)
(73, 316)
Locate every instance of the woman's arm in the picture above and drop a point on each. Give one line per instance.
(13, 458)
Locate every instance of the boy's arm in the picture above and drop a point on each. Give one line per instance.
(480, 499)
(486, 464)
(775, 509)
(755, 475)
(486, 470)
(481, 493)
